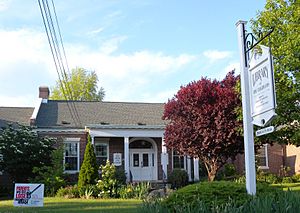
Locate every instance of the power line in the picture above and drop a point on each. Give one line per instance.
(54, 44)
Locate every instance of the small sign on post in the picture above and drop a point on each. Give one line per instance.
(117, 160)
(29, 195)
(265, 131)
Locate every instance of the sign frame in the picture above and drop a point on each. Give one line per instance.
(262, 87)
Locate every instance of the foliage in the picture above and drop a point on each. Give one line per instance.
(51, 176)
(268, 177)
(287, 180)
(227, 172)
(296, 178)
(272, 202)
(178, 178)
(82, 85)
(109, 185)
(69, 192)
(284, 16)
(22, 150)
(214, 193)
(120, 175)
(134, 190)
(89, 169)
(203, 122)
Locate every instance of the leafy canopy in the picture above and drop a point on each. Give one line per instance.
(284, 16)
(22, 150)
(203, 122)
(82, 85)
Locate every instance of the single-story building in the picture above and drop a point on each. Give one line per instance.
(129, 134)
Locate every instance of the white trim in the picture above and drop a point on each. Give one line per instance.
(196, 169)
(265, 147)
(36, 109)
(68, 140)
(189, 168)
(154, 149)
(50, 130)
(126, 158)
(71, 139)
(157, 133)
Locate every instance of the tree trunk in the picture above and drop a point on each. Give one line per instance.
(212, 168)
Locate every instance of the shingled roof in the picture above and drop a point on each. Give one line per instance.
(15, 115)
(56, 114)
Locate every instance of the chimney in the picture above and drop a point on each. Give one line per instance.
(44, 92)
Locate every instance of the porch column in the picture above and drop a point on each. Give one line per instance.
(126, 158)
(196, 169)
(93, 139)
(189, 168)
(164, 159)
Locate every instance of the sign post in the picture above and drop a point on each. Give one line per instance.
(247, 120)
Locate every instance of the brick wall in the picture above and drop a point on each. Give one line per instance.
(293, 158)
(275, 159)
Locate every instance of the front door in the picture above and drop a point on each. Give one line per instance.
(142, 165)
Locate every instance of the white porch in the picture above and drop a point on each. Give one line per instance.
(148, 162)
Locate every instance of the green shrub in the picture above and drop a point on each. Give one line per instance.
(287, 180)
(88, 174)
(296, 178)
(109, 185)
(277, 202)
(214, 193)
(121, 175)
(51, 176)
(135, 190)
(178, 178)
(69, 192)
(89, 191)
(227, 172)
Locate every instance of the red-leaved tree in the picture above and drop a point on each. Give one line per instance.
(203, 122)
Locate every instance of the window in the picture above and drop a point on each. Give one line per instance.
(71, 155)
(262, 157)
(178, 161)
(101, 150)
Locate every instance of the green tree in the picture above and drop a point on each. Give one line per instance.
(82, 85)
(22, 150)
(52, 175)
(89, 169)
(284, 17)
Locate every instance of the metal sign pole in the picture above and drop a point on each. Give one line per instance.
(247, 119)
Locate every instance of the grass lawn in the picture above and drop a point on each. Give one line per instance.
(77, 205)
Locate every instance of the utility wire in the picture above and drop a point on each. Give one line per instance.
(56, 54)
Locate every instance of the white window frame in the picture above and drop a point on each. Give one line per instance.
(184, 161)
(265, 147)
(102, 142)
(77, 141)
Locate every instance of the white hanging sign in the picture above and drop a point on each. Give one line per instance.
(117, 160)
(262, 87)
(29, 194)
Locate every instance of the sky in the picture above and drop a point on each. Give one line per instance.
(141, 50)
